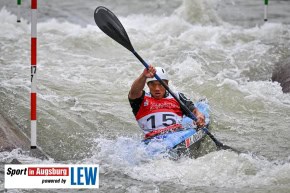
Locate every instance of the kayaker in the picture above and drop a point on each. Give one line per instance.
(157, 111)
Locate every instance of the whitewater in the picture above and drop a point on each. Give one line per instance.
(221, 50)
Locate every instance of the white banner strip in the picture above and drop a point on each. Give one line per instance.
(51, 176)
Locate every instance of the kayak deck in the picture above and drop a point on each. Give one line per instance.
(182, 142)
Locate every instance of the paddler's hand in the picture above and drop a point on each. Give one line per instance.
(200, 118)
(200, 121)
(150, 72)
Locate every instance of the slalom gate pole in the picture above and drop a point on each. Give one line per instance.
(33, 71)
(266, 10)
(18, 10)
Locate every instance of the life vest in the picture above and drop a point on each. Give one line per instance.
(155, 114)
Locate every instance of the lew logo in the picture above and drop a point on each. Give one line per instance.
(83, 175)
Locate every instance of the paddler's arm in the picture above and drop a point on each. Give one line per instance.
(138, 85)
(190, 105)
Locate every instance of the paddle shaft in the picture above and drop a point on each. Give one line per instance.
(182, 105)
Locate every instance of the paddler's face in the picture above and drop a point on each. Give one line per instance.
(156, 89)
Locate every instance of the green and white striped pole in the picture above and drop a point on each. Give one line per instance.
(18, 10)
(265, 10)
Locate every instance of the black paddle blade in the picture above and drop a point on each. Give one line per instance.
(110, 25)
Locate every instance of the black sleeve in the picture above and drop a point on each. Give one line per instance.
(188, 103)
(136, 103)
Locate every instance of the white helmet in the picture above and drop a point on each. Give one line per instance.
(161, 73)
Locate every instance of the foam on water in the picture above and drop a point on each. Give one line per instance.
(219, 169)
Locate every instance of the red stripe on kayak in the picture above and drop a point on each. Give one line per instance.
(170, 128)
(187, 142)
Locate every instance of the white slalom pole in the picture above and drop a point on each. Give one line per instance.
(33, 71)
(18, 10)
(265, 10)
